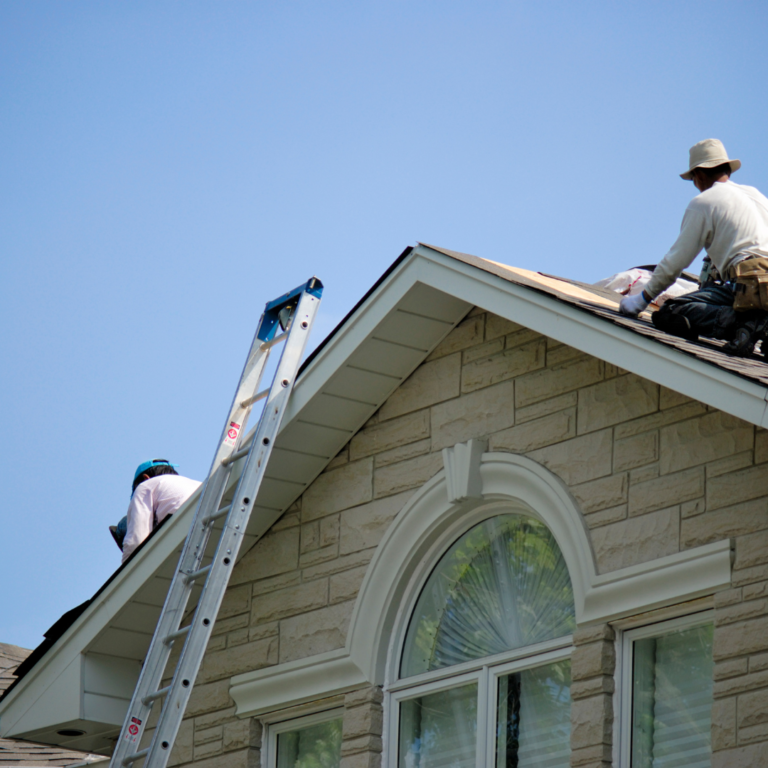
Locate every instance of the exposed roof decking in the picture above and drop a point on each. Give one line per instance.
(604, 304)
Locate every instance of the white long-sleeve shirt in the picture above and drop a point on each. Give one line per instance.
(729, 220)
(152, 501)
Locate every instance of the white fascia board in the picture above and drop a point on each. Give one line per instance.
(591, 334)
(166, 544)
(537, 311)
(60, 704)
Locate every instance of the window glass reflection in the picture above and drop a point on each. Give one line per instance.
(501, 586)
(672, 699)
(533, 724)
(439, 730)
(316, 746)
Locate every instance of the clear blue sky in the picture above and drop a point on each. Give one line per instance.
(168, 167)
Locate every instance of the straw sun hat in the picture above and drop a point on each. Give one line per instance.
(709, 154)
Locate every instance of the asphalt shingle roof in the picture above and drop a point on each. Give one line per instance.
(605, 303)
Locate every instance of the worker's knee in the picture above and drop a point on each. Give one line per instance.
(672, 319)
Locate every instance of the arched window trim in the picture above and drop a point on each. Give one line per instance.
(508, 481)
(440, 546)
(376, 624)
(429, 524)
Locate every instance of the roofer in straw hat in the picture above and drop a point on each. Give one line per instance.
(731, 222)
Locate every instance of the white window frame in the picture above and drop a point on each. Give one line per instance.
(624, 679)
(273, 729)
(485, 672)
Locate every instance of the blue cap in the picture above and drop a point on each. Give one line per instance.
(144, 466)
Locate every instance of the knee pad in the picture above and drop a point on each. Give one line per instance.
(726, 323)
(668, 320)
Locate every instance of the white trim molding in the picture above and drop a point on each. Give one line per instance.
(295, 682)
(424, 529)
(680, 577)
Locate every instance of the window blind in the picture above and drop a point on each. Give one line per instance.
(672, 700)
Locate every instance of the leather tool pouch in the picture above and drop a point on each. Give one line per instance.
(751, 289)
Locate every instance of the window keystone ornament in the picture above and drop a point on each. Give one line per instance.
(462, 470)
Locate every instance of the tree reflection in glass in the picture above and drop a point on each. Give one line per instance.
(439, 730)
(316, 746)
(533, 723)
(501, 586)
(672, 699)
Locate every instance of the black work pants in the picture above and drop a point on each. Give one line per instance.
(706, 311)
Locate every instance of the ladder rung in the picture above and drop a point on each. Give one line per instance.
(136, 756)
(276, 340)
(255, 399)
(168, 639)
(216, 515)
(156, 695)
(196, 574)
(236, 455)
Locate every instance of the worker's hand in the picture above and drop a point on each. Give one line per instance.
(633, 305)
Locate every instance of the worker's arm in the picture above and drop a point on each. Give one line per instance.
(139, 515)
(692, 238)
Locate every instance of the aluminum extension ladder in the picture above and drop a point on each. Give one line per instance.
(294, 314)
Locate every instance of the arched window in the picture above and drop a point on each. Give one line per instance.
(484, 674)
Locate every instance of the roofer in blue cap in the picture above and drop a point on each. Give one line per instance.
(158, 491)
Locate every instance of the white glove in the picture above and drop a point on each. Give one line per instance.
(633, 305)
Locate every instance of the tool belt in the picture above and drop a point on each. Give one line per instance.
(751, 284)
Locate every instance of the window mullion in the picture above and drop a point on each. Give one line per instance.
(483, 708)
(624, 715)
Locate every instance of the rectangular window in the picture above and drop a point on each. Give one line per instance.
(513, 713)
(667, 694)
(307, 742)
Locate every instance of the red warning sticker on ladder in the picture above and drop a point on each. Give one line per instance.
(133, 730)
(232, 433)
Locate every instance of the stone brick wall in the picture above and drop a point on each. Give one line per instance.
(654, 473)
(363, 724)
(593, 664)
